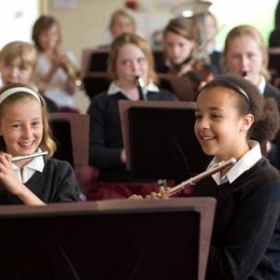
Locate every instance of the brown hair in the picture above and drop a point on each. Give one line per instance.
(184, 27)
(251, 31)
(131, 38)
(26, 52)
(250, 100)
(42, 24)
(47, 143)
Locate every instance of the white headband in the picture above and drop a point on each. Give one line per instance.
(11, 91)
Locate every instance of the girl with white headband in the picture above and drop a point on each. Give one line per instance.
(24, 130)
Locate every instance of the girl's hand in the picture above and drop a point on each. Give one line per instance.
(12, 183)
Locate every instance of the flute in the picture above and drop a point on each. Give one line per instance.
(17, 158)
(140, 84)
(192, 181)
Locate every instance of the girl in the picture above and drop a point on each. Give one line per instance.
(54, 67)
(24, 129)
(230, 113)
(130, 57)
(180, 43)
(245, 53)
(17, 65)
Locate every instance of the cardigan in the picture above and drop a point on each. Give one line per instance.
(246, 230)
(106, 142)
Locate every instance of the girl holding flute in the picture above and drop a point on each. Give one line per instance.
(24, 130)
(231, 115)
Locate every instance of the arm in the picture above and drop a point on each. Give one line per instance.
(67, 188)
(105, 133)
(251, 230)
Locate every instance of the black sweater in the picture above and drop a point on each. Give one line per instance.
(246, 234)
(57, 183)
(106, 140)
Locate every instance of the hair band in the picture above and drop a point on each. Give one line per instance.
(237, 88)
(11, 91)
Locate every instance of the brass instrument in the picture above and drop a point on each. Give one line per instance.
(192, 181)
(71, 71)
(18, 158)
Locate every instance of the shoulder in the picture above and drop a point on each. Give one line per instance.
(57, 165)
(163, 94)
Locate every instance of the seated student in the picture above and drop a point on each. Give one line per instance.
(121, 21)
(274, 36)
(130, 57)
(180, 44)
(246, 231)
(213, 49)
(55, 69)
(245, 53)
(25, 130)
(17, 65)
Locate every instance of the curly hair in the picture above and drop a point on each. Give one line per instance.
(249, 100)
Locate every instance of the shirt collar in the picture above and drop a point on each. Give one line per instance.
(36, 164)
(115, 88)
(242, 165)
(262, 84)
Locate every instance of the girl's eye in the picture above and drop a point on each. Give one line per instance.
(126, 62)
(16, 125)
(197, 116)
(141, 60)
(215, 116)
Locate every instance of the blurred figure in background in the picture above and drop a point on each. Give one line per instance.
(181, 53)
(54, 65)
(18, 61)
(245, 54)
(213, 48)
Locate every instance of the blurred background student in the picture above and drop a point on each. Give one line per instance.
(130, 57)
(181, 56)
(245, 54)
(18, 61)
(54, 66)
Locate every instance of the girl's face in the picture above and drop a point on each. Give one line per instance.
(244, 56)
(177, 48)
(21, 126)
(122, 24)
(131, 62)
(49, 39)
(219, 128)
(15, 72)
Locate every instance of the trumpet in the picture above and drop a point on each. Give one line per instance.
(71, 71)
(192, 181)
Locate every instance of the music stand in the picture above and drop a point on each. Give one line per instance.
(159, 139)
(114, 239)
(95, 83)
(75, 141)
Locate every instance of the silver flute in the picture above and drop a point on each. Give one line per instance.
(38, 154)
(192, 181)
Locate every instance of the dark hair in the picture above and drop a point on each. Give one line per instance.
(250, 100)
(184, 27)
(43, 23)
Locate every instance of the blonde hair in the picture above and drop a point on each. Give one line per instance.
(25, 51)
(134, 39)
(250, 31)
(47, 143)
(124, 13)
